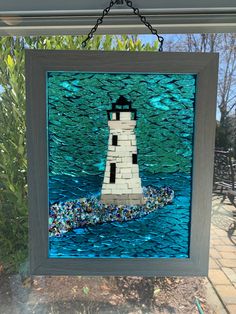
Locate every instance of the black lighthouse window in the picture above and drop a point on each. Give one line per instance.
(135, 158)
(112, 173)
(117, 115)
(114, 140)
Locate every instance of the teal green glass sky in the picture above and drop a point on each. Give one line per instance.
(78, 129)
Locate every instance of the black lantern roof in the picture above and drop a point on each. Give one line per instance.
(122, 105)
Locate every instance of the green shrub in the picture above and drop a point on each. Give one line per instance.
(13, 204)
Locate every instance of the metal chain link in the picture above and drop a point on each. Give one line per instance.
(135, 11)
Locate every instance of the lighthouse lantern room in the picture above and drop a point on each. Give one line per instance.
(122, 184)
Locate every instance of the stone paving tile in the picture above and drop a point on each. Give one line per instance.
(227, 293)
(215, 254)
(214, 239)
(218, 277)
(213, 264)
(213, 300)
(213, 232)
(211, 245)
(227, 241)
(228, 255)
(231, 308)
(225, 248)
(227, 262)
(230, 273)
(220, 233)
(222, 263)
(217, 241)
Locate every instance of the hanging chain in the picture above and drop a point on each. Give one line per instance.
(135, 11)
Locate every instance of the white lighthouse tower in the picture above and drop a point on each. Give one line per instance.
(122, 184)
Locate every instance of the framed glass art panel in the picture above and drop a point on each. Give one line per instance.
(120, 150)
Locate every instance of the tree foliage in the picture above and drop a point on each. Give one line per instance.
(13, 204)
(225, 44)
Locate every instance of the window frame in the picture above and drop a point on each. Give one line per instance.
(49, 17)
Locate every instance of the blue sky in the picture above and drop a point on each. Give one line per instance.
(149, 38)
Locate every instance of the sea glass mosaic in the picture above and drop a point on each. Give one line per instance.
(120, 155)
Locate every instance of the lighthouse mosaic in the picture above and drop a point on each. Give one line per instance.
(122, 184)
(120, 164)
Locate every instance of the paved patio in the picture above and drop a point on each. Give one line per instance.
(222, 267)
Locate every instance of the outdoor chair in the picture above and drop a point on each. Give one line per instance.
(224, 175)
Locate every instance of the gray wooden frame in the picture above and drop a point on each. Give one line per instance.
(205, 66)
